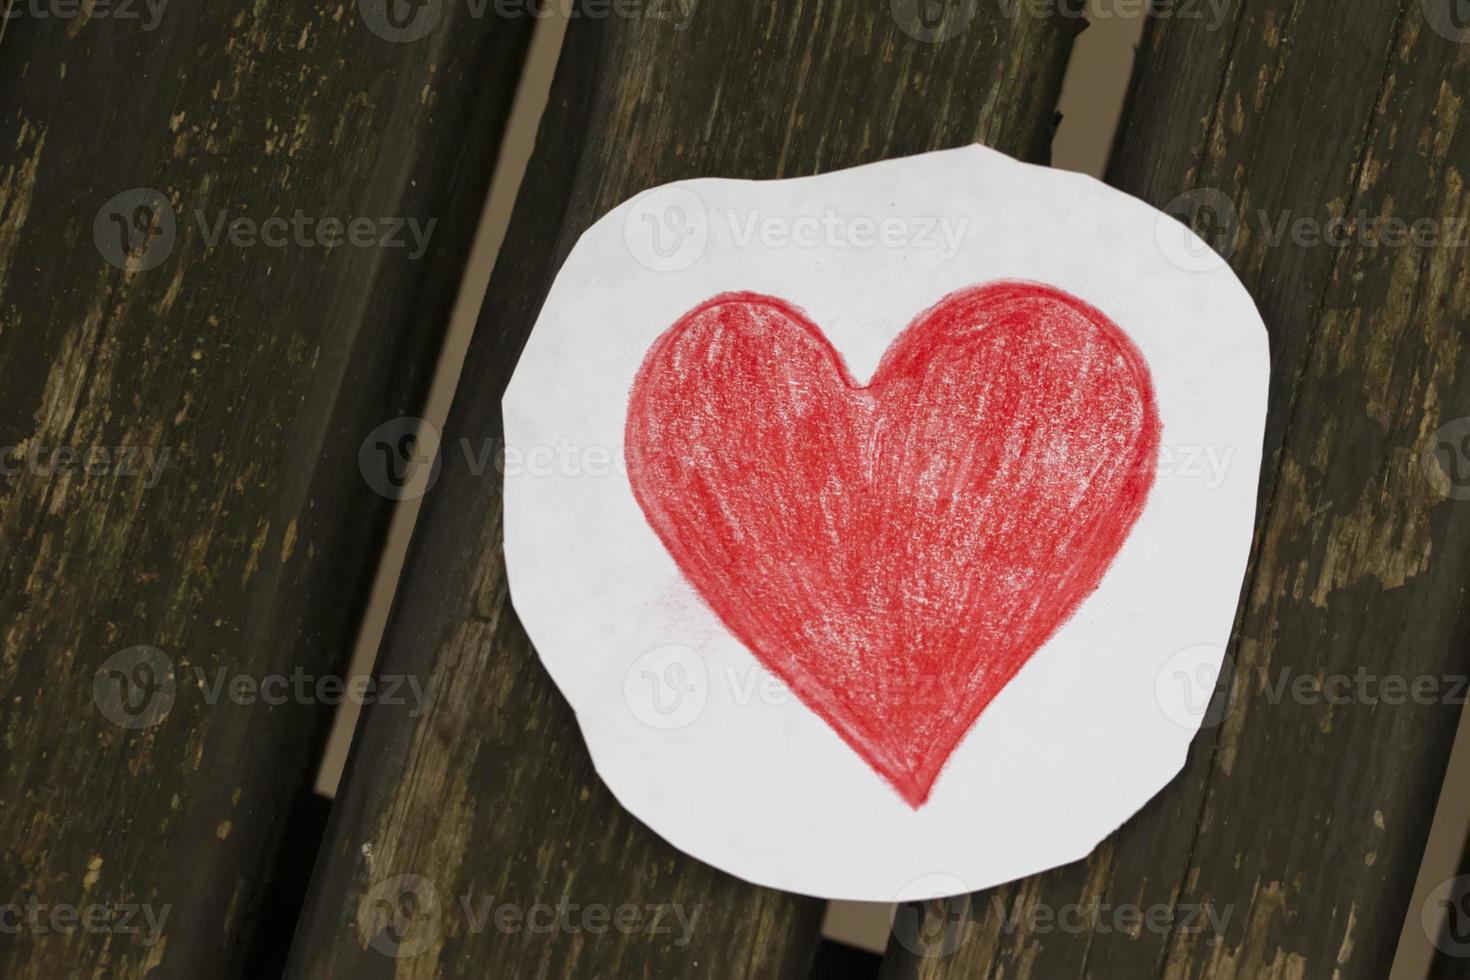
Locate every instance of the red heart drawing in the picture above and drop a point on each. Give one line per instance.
(895, 552)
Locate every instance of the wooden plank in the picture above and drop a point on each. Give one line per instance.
(491, 794)
(229, 379)
(1301, 820)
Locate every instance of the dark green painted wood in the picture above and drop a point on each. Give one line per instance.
(257, 368)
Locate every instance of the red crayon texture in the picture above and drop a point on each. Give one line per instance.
(895, 552)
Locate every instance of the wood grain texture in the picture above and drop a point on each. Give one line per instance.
(1302, 815)
(491, 794)
(258, 369)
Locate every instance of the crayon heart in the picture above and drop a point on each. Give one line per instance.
(895, 552)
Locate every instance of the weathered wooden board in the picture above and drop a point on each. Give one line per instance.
(217, 385)
(490, 796)
(1302, 816)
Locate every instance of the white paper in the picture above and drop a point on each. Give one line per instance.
(691, 734)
